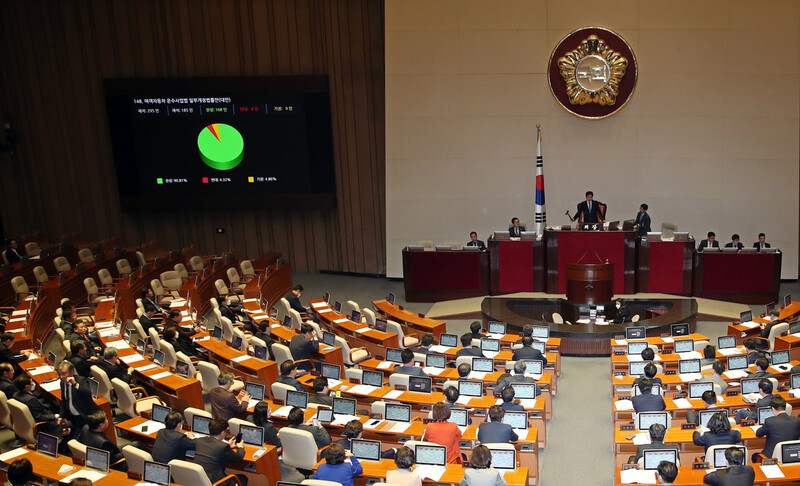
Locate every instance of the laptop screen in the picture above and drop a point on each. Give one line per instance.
(287, 322)
(380, 325)
(483, 364)
(679, 329)
(655, 390)
(787, 300)
(635, 332)
(763, 414)
(541, 332)
(93, 387)
(539, 346)
(369, 450)
(344, 406)
(97, 459)
(697, 388)
(654, 457)
(725, 342)
(794, 327)
(795, 380)
(459, 416)
(182, 369)
(750, 386)
(331, 371)
(705, 415)
(158, 358)
(534, 366)
(737, 362)
(355, 316)
(790, 453)
(324, 414)
(746, 316)
(237, 342)
(431, 455)
(252, 435)
(372, 378)
(337, 306)
(328, 338)
(780, 357)
(719, 457)
(637, 347)
(297, 399)
(156, 473)
(523, 391)
(160, 412)
(391, 298)
(769, 307)
(200, 424)
(398, 413)
(393, 355)
(517, 420)
(217, 333)
(488, 344)
(636, 368)
(255, 390)
(420, 384)
(468, 388)
(47, 444)
(327, 298)
(449, 340)
(684, 345)
(504, 459)
(140, 345)
(646, 419)
(435, 360)
(496, 327)
(689, 366)
(260, 351)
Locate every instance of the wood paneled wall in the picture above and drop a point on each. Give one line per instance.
(54, 55)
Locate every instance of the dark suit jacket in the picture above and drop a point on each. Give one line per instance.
(778, 429)
(648, 403)
(704, 244)
(711, 439)
(759, 375)
(496, 433)
(512, 407)
(757, 245)
(478, 243)
(321, 399)
(589, 216)
(224, 404)
(643, 220)
(81, 398)
(82, 365)
(287, 380)
(321, 436)
(147, 324)
(653, 445)
(213, 455)
(739, 245)
(731, 476)
(469, 352)
(39, 412)
(13, 256)
(514, 232)
(294, 303)
(99, 440)
(171, 444)
(302, 348)
(90, 351)
(408, 370)
(768, 327)
(7, 387)
(10, 356)
(228, 313)
(623, 315)
(529, 354)
(114, 371)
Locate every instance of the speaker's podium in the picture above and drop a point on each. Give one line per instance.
(590, 283)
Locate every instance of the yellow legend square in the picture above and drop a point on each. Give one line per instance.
(251, 179)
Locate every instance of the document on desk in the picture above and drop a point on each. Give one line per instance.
(342, 419)
(641, 476)
(363, 330)
(400, 427)
(668, 339)
(177, 303)
(160, 375)
(6, 457)
(642, 438)
(393, 395)
(146, 367)
(730, 351)
(325, 311)
(117, 344)
(333, 383)
(522, 433)
(463, 400)
(434, 473)
(103, 325)
(440, 349)
(108, 332)
(495, 336)
(749, 324)
(152, 427)
(39, 370)
(620, 342)
(132, 358)
(20, 312)
(241, 358)
(282, 412)
(755, 428)
(682, 403)
(363, 389)
(772, 472)
(319, 305)
(491, 354)
(691, 355)
(249, 300)
(385, 365)
(51, 386)
(622, 405)
(89, 474)
(735, 374)
(529, 403)
(687, 377)
(431, 371)
(339, 321)
(477, 375)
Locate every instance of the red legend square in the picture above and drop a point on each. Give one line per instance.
(205, 180)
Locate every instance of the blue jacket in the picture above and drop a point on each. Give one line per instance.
(496, 433)
(341, 473)
(648, 403)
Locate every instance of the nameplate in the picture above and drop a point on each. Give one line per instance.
(666, 351)
(620, 374)
(626, 427)
(699, 465)
(769, 462)
(619, 353)
(625, 467)
(670, 372)
(732, 393)
(748, 423)
(400, 387)
(688, 426)
(680, 395)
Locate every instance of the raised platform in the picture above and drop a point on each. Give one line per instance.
(587, 339)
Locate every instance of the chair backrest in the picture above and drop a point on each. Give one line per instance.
(353, 374)
(396, 328)
(340, 341)
(181, 269)
(5, 413)
(776, 331)
(213, 302)
(398, 379)
(279, 391)
(184, 472)
(91, 286)
(124, 266)
(369, 316)
(349, 307)
(283, 308)
(233, 275)
(281, 353)
(239, 333)
(141, 259)
(171, 279)
(777, 452)
(125, 399)
(227, 329)
(299, 448)
(222, 289)
(185, 359)
(412, 444)
(104, 385)
(196, 263)
(22, 420)
(85, 255)
(170, 358)
(234, 424)
(19, 285)
(158, 289)
(464, 360)
(190, 412)
(316, 328)
(105, 277)
(378, 408)
(139, 329)
(557, 319)
(636, 318)
(77, 449)
(247, 268)
(297, 320)
(32, 248)
(40, 275)
(208, 375)
(712, 450)
(61, 264)
(155, 340)
(135, 458)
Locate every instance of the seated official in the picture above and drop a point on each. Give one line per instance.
(507, 393)
(496, 432)
(642, 222)
(753, 351)
(335, 469)
(288, 374)
(766, 328)
(778, 428)
(466, 347)
(425, 344)
(650, 371)
(81, 332)
(149, 297)
(761, 243)
(667, 472)
(623, 314)
(295, 419)
(260, 418)
(735, 474)
(354, 429)
(762, 365)
(78, 358)
(264, 333)
(719, 432)
(527, 331)
(225, 404)
(735, 243)
(527, 352)
(112, 366)
(646, 401)
(717, 369)
(403, 475)
(474, 241)
(463, 371)
(656, 432)
(451, 395)
(170, 442)
(93, 434)
(589, 210)
(9, 356)
(476, 329)
(408, 368)
(709, 356)
(228, 310)
(213, 453)
(518, 376)
(6, 375)
(148, 319)
(20, 473)
(322, 395)
(41, 413)
(709, 242)
(648, 354)
(709, 402)
(765, 398)
(442, 432)
(515, 230)
(177, 336)
(294, 301)
(482, 473)
(304, 345)
(13, 255)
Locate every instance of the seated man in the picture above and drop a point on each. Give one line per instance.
(466, 347)
(425, 344)
(295, 419)
(6, 375)
(518, 376)
(717, 369)
(13, 255)
(766, 328)
(709, 402)
(753, 351)
(778, 428)
(650, 371)
(464, 370)
(148, 319)
(48, 422)
(111, 365)
(647, 402)
(515, 230)
(170, 442)
(765, 393)
(82, 365)
(527, 331)
(321, 394)
(9, 356)
(666, 472)
(736, 472)
(474, 241)
(735, 243)
(81, 332)
(225, 404)
(450, 397)
(709, 356)
(507, 393)
(710, 242)
(294, 301)
(648, 354)
(354, 429)
(94, 435)
(762, 365)
(761, 243)
(475, 328)
(288, 374)
(527, 352)
(213, 453)
(496, 432)
(304, 345)
(657, 432)
(408, 368)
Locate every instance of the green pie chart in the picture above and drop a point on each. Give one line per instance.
(221, 146)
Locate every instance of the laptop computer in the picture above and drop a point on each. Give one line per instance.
(533, 366)
(725, 342)
(252, 435)
(421, 384)
(158, 358)
(719, 461)
(496, 327)
(459, 416)
(331, 371)
(380, 325)
(517, 420)
(372, 378)
(781, 359)
(504, 459)
(260, 352)
(391, 298)
(94, 386)
(328, 338)
(540, 332)
(159, 413)
(255, 390)
(182, 369)
(393, 355)
(688, 366)
(705, 415)
(297, 399)
(396, 412)
(324, 415)
(746, 316)
(636, 368)
(97, 459)
(430, 455)
(749, 386)
(469, 388)
(763, 414)
(645, 419)
(449, 340)
(790, 453)
(47, 444)
(697, 388)
(156, 473)
(366, 450)
(344, 406)
(489, 344)
(637, 347)
(524, 391)
(236, 343)
(483, 364)
(435, 360)
(679, 329)
(200, 424)
(683, 345)
(737, 363)
(635, 332)
(654, 457)
(337, 306)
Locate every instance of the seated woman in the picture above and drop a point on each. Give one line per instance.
(403, 474)
(719, 432)
(442, 432)
(335, 469)
(260, 417)
(482, 473)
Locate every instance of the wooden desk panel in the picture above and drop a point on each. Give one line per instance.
(410, 319)
(431, 276)
(516, 266)
(665, 266)
(127, 292)
(257, 370)
(749, 278)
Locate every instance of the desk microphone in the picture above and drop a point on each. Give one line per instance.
(543, 317)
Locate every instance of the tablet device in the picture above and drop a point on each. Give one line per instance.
(324, 415)
(331, 371)
(679, 329)
(697, 388)
(156, 473)
(636, 368)
(372, 378)
(469, 388)
(459, 416)
(182, 369)
(435, 360)
(355, 316)
(719, 460)
(328, 338)
(496, 327)
(429, 455)
(483, 364)
(200, 424)
(689, 366)
(534, 366)
(449, 340)
(737, 362)
(421, 384)
(159, 413)
(260, 351)
(297, 399)
(540, 332)
(396, 412)
(635, 332)
(683, 345)
(252, 435)
(504, 459)
(780, 357)
(524, 391)
(750, 386)
(47, 444)
(654, 457)
(517, 420)
(391, 298)
(158, 358)
(637, 347)
(725, 342)
(489, 344)
(97, 459)
(380, 325)
(366, 450)
(646, 419)
(93, 387)
(344, 406)
(255, 390)
(393, 355)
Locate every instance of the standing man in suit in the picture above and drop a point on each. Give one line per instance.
(76, 398)
(735, 243)
(761, 243)
(736, 474)
(304, 345)
(12, 253)
(496, 432)
(225, 404)
(515, 230)
(474, 241)
(408, 368)
(170, 442)
(710, 242)
(527, 352)
(93, 434)
(642, 223)
(778, 428)
(589, 210)
(213, 453)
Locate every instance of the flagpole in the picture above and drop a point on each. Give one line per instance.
(541, 214)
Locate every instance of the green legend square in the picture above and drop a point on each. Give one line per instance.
(160, 180)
